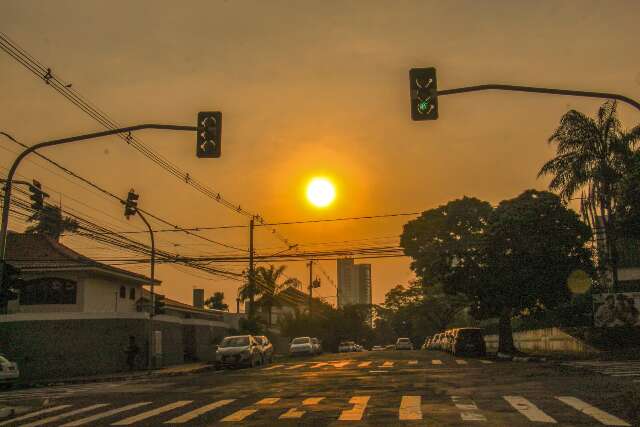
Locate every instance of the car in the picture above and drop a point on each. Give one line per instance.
(404, 344)
(238, 350)
(425, 344)
(469, 341)
(377, 348)
(390, 347)
(346, 347)
(9, 371)
(317, 345)
(266, 348)
(301, 346)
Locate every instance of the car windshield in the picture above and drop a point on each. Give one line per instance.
(300, 341)
(4, 360)
(235, 342)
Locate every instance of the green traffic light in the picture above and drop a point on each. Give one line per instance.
(423, 106)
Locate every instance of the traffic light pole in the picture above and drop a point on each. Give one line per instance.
(152, 298)
(252, 273)
(532, 89)
(27, 151)
(310, 287)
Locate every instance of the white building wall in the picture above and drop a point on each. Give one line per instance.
(103, 295)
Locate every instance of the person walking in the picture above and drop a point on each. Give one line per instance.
(132, 351)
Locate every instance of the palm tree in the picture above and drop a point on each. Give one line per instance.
(50, 222)
(592, 156)
(267, 287)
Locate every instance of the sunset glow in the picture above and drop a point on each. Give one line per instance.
(320, 192)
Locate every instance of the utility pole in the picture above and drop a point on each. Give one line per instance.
(252, 282)
(310, 287)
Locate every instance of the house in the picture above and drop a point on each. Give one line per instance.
(75, 316)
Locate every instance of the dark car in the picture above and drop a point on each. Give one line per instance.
(468, 341)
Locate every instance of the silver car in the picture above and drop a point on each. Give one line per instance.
(404, 344)
(301, 346)
(236, 351)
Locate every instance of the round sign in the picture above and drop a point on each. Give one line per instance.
(579, 282)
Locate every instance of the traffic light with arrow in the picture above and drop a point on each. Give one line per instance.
(424, 93)
(209, 139)
(131, 205)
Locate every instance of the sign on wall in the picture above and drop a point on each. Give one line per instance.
(621, 309)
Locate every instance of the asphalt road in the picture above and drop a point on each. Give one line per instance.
(372, 388)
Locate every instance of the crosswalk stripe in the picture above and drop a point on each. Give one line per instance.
(470, 407)
(239, 415)
(486, 362)
(341, 364)
(273, 367)
(292, 413)
(604, 417)
(355, 413)
(35, 414)
(151, 413)
(529, 410)
(312, 400)
(413, 362)
(364, 364)
(387, 364)
(436, 362)
(65, 415)
(295, 367)
(319, 365)
(410, 408)
(106, 414)
(461, 362)
(268, 401)
(199, 411)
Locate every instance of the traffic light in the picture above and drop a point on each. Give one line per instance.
(160, 304)
(131, 205)
(209, 139)
(424, 93)
(316, 283)
(37, 195)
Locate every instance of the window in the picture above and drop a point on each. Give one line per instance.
(123, 292)
(132, 293)
(48, 290)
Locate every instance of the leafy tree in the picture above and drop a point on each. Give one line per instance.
(50, 222)
(216, 302)
(268, 286)
(532, 244)
(629, 203)
(592, 157)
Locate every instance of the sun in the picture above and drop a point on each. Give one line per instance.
(320, 192)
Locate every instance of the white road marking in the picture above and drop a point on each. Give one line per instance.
(341, 364)
(151, 413)
(364, 364)
(268, 401)
(273, 367)
(413, 362)
(357, 411)
(528, 409)
(65, 415)
(486, 362)
(105, 414)
(461, 362)
(604, 417)
(199, 411)
(469, 407)
(410, 408)
(312, 400)
(436, 362)
(292, 413)
(239, 415)
(35, 414)
(294, 367)
(319, 365)
(387, 364)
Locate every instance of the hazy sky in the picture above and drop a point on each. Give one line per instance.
(306, 88)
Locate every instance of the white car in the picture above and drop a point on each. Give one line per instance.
(302, 345)
(377, 348)
(8, 370)
(404, 344)
(346, 347)
(240, 350)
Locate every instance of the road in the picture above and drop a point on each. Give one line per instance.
(371, 388)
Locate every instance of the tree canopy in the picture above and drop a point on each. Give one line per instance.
(50, 222)
(216, 302)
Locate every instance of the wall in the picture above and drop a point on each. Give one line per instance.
(543, 340)
(101, 294)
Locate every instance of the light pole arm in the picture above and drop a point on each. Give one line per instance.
(531, 89)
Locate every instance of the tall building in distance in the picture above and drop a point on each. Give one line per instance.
(354, 282)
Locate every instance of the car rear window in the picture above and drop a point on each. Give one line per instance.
(403, 340)
(235, 342)
(300, 341)
(469, 335)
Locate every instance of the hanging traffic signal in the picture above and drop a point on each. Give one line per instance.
(131, 205)
(37, 195)
(159, 304)
(209, 139)
(316, 283)
(424, 93)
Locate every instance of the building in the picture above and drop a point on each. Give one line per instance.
(354, 283)
(75, 316)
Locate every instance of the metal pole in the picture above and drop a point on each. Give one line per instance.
(531, 89)
(310, 287)
(27, 151)
(252, 284)
(152, 311)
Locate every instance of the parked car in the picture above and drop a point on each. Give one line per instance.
(390, 347)
(266, 349)
(377, 348)
(346, 347)
(437, 342)
(301, 346)
(238, 350)
(9, 371)
(317, 345)
(404, 344)
(468, 341)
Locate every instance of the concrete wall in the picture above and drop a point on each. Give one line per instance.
(103, 295)
(543, 340)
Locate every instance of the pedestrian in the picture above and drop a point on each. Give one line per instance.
(132, 351)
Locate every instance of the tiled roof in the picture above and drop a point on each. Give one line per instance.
(37, 252)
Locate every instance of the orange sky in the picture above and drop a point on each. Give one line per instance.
(306, 88)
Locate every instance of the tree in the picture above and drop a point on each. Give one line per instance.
(628, 209)
(532, 244)
(592, 157)
(216, 302)
(267, 287)
(50, 222)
